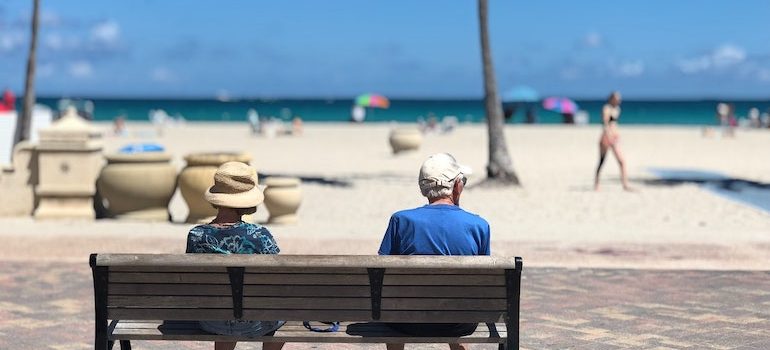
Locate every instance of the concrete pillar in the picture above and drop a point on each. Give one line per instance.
(69, 160)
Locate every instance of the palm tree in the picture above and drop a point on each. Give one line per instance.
(24, 118)
(500, 168)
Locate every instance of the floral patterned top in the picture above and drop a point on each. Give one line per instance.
(239, 238)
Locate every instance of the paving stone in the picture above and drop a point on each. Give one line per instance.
(50, 306)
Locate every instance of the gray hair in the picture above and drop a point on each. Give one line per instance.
(436, 191)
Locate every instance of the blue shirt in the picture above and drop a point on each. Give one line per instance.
(440, 229)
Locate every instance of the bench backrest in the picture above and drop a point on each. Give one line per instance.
(301, 287)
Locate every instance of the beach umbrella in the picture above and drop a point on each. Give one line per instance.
(561, 105)
(520, 93)
(372, 101)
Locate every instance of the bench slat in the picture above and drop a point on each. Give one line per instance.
(447, 304)
(314, 270)
(334, 303)
(294, 332)
(303, 261)
(248, 290)
(171, 302)
(309, 279)
(169, 289)
(184, 277)
(296, 315)
(249, 278)
(443, 280)
(314, 291)
(443, 292)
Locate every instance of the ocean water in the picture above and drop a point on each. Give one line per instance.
(700, 112)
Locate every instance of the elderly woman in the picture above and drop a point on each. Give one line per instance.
(234, 194)
(609, 139)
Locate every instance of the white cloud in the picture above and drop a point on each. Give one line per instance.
(11, 41)
(721, 57)
(162, 75)
(107, 32)
(81, 69)
(50, 19)
(54, 41)
(45, 70)
(628, 69)
(593, 39)
(728, 55)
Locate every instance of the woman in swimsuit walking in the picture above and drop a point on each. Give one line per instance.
(609, 139)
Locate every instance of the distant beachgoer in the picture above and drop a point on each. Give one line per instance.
(235, 193)
(732, 121)
(253, 118)
(432, 124)
(509, 111)
(568, 118)
(764, 119)
(531, 116)
(119, 126)
(357, 114)
(448, 123)
(296, 126)
(610, 137)
(754, 118)
(9, 101)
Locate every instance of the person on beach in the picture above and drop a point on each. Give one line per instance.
(609, 139)
(439, 228)
(234, 194)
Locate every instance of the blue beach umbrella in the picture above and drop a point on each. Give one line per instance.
(520, 93)
(141, 148)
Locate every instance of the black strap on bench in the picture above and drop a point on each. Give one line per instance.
(376, 276)
(236, 285)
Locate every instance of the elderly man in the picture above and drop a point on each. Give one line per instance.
(439, 228)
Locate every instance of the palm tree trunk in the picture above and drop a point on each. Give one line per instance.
(25, 117)
(500, 167)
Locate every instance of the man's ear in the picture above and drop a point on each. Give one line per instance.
(457, 189)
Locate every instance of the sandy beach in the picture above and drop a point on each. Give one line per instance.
(352, 184)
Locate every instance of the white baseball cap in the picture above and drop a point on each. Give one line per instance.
(441, 169)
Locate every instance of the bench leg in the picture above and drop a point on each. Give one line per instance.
(125, 345)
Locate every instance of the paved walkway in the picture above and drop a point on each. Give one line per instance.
(50, 306)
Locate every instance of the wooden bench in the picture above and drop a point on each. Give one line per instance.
(136, 296)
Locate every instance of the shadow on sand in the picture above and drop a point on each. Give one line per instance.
(752, 193)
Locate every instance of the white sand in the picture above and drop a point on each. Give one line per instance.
(555, 219)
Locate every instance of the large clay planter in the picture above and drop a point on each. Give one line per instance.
(282, 199)
(138, 186)
(405, 139)
(196, 178)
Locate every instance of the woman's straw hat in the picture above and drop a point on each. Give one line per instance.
(235, 186)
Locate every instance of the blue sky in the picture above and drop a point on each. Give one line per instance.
(401, 48)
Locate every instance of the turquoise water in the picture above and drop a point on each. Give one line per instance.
(318, 110)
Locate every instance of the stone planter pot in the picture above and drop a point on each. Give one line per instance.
(138, 186)
(405, 139)
(196, 178)
(282, 199)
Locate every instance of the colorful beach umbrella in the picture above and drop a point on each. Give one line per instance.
(373, 101)
(520, 93)
(560, 105)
